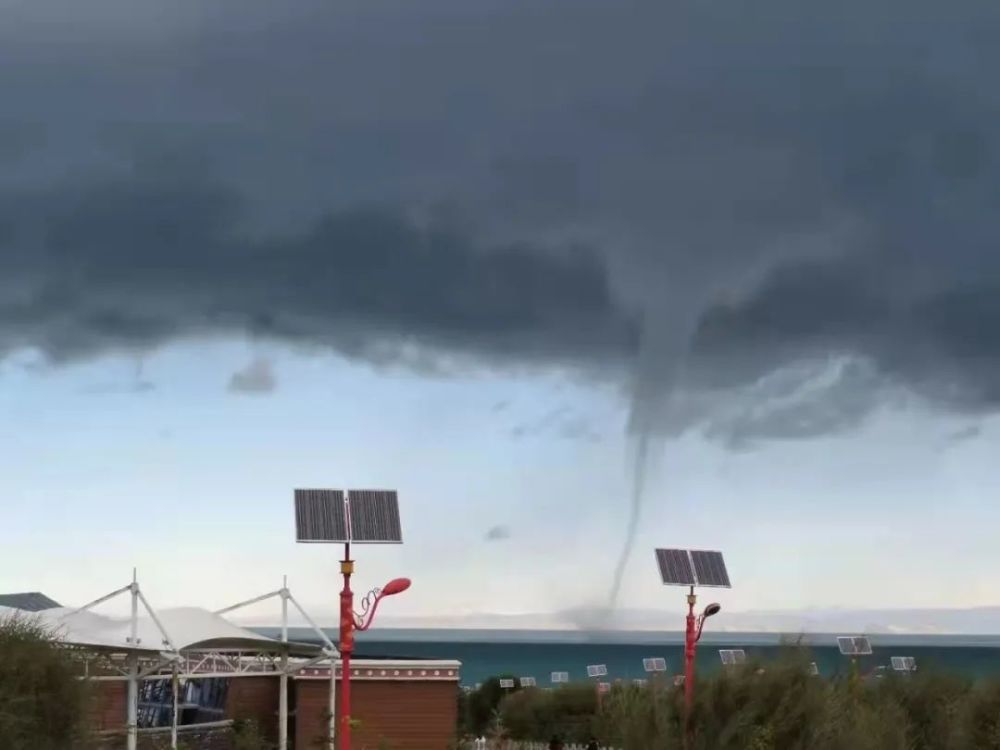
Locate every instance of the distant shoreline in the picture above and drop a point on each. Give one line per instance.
(639, 637)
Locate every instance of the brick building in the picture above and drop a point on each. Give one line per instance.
(397, 704)
(402, 705)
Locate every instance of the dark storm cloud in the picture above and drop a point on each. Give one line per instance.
(765, 186)
(129, 264)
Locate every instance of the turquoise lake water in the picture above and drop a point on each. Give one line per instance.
(487, 653)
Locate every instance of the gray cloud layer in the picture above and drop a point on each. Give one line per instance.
(784, 183)
(133, 263)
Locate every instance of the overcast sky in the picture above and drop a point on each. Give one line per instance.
(478, 251)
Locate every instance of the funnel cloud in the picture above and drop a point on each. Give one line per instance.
(799, 186)
(762, 221)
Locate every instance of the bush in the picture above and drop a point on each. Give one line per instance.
(247, 736)
(778, 706)
(477, 709)
(43, 704)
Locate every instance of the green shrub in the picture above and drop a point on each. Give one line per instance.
(248, 736)
(43, 704)
(777, 706)
(479, 706)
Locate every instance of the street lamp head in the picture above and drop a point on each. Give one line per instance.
(712, 609)
(395, 586)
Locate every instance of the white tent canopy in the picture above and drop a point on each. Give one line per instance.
(179, 637)
(189, 628)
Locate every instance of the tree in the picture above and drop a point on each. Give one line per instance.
(43, 703)
(481, 704)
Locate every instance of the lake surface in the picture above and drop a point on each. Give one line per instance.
(538, 653)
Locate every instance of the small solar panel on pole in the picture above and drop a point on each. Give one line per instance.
(597, 670)
(527, 682)
(559, 677)
(506, 684)
(903, 663)
(655, 664)
(854, 645)
(732, 656)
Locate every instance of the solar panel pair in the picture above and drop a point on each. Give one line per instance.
(733, 656)
(903, 663)
(654, 665)
(367, 516)
(854, 645)
(684, 567)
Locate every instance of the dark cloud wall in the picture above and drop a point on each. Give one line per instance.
(740, 186)
(135, 263)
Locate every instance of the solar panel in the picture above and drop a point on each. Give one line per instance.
(654, 665)
(375, 516)
(597, 670)
(527, 682)
(372, 516)
(710, 568)
(506, 684)
(675, 567)
(319, 516)
(854, 645)
(682, 567)
(731, 656)
(560, 677)
(903, 663)
(813, 669)
(640, 682)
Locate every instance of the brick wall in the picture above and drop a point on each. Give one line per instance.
(256, 699)
(107, 710)
(402, 715)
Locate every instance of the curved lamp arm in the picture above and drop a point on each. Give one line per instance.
(369, 604)
(711, 610)
(371, 601)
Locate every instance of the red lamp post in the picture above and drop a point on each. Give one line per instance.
(692, 635)
(350, 622)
